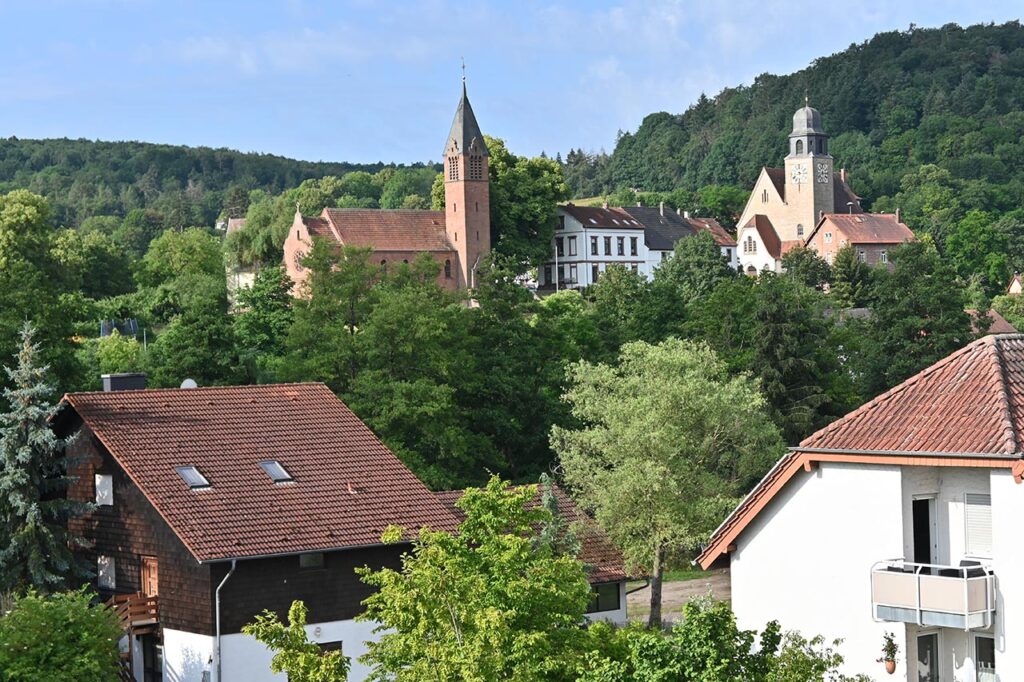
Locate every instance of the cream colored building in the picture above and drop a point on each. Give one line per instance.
(794, 198)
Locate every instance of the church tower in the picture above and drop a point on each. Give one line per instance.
(467, 206)
(810, 186)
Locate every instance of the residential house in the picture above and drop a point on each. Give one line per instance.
(903, 517)
(215, 504)
(602, 560)
(1015, 287)
(872, 236)
(457, 238)
(589, 239)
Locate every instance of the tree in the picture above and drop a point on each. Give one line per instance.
(181, 254)
(918, 315)
(487, 603)
(116, 353)
(694, 270)
(93, 263)
(294, 655)
(807, 267)
(976, 246)
(63, 636)
(198, 344)
(850, 279)
(265, 314)
(35, 544)
(667, 437)
(724, 203)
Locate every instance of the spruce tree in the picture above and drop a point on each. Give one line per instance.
(35, 545)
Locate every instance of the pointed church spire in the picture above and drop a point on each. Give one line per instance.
(465, 130)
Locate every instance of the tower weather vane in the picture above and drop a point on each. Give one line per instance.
(463, 69)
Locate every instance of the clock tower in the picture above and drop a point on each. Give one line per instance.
(810, 188)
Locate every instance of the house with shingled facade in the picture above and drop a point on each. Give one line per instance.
(215, 504)
(902, 516)
(456, 238)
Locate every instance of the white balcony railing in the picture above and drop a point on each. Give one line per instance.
(931, 594)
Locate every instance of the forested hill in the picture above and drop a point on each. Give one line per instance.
(949, 96)
(185, 185)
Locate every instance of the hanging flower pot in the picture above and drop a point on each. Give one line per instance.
(890, 667)
(889, 650)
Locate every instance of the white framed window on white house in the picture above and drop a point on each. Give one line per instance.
(104, 490)
(593, 246)
(573, 274)
(106, 572)
(985, 658)
(572, 246)
(604, 598)
(978, 525)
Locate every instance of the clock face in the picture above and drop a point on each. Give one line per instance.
(799, 173)
(823, 172)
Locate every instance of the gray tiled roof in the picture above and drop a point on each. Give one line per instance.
(465, 130)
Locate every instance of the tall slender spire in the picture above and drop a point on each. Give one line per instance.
(465, 131)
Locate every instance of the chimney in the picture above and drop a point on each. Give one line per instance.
(821, 214)
(686, 214)
(898, 214)
(129, 381)
(679, 211)
(639, 203)
(842, 174)
(661, 208)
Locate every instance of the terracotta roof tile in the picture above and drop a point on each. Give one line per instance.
(769, 236)
(722, 237)
(866, 228)
(226, 432)
(594, 216)
(389, 230)
(597, 551)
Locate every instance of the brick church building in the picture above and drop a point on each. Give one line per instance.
(457, 238)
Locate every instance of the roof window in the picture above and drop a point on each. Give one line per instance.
(593, 221)
(276, 472)
(193, 479)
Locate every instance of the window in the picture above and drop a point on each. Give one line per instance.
(277, 473)
(106, 572)
(573, 274)
(547, 275)
(193, 479)
(593, 246)
(828, 237)
(312, 560)
(476, 168)
(799, 146)
(620, 246)
(604, 598)
(561, 274)
(632, 246)
(636, 267)
(453, 168)
(764, 196)
(447, 269)
(749, 245)
(978, 524)
(664, 255)
(862, 256)
(561, 222)
(594, 270)
(728, 254)
(799, 230)
(883, 257)
(104, 490)
(572, 246)
(607, 246)
(985, 658)
(559, 246)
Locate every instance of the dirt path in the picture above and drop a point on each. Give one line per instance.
(675, 594)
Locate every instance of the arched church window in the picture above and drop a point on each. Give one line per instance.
(799, 146)
(447, 269)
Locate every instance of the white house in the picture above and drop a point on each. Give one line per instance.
(903, 517)
(589, 239)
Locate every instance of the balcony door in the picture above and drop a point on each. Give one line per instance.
(925, 536)
(928, 657)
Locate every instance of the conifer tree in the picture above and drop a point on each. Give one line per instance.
(35, 545)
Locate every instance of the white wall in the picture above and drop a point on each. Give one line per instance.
(806, 559)
(761, 260)
(1007, 561)
(617, 616)
(246, 660)
(186, 656)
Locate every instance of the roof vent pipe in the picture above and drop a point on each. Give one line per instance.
(661, 208)
(898, 214)
(127, 381)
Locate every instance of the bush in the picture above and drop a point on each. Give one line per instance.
(63, 636)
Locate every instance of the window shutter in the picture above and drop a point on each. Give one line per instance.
(978, 521)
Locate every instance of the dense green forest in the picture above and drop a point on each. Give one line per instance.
(928, 120)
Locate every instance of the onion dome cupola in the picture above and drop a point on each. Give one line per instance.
(808, 137)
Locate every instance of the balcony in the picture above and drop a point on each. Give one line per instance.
(138, 613)
(960, 597)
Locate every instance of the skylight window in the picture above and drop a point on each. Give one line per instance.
(276, 472)
(593, 221)
(193, 479)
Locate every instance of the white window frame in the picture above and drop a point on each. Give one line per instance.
(572, 246)
(828, 237)
(106, 572)
(982, 504)
(104, 490)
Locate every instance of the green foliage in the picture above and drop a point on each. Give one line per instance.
(63, 636)
(116, 353)
(977, 247)
(180, 254)
(487, 603)
(35, 544)
(294, 654)
(265, 315)
(666, 439)
(807, 267)
(92, 263)
(1011, 307)
(850, 280)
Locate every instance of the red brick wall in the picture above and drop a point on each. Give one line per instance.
(131, 528)
(872, 252)
(394, 259)
(467, 218)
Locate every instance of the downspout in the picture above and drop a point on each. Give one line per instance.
(216, 646)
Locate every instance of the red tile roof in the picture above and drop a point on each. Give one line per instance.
(388, 230)
(318, 227)
(997, 324)
(965, 410)
(722, 238)
(769, 237)
(866, 228)
(594, 216)
(226, 432)
(596, 551)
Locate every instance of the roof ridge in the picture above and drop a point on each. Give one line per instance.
(1006, 394)
(887, 395)
(197, 389)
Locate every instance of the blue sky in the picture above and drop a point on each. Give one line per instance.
(364, 81)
